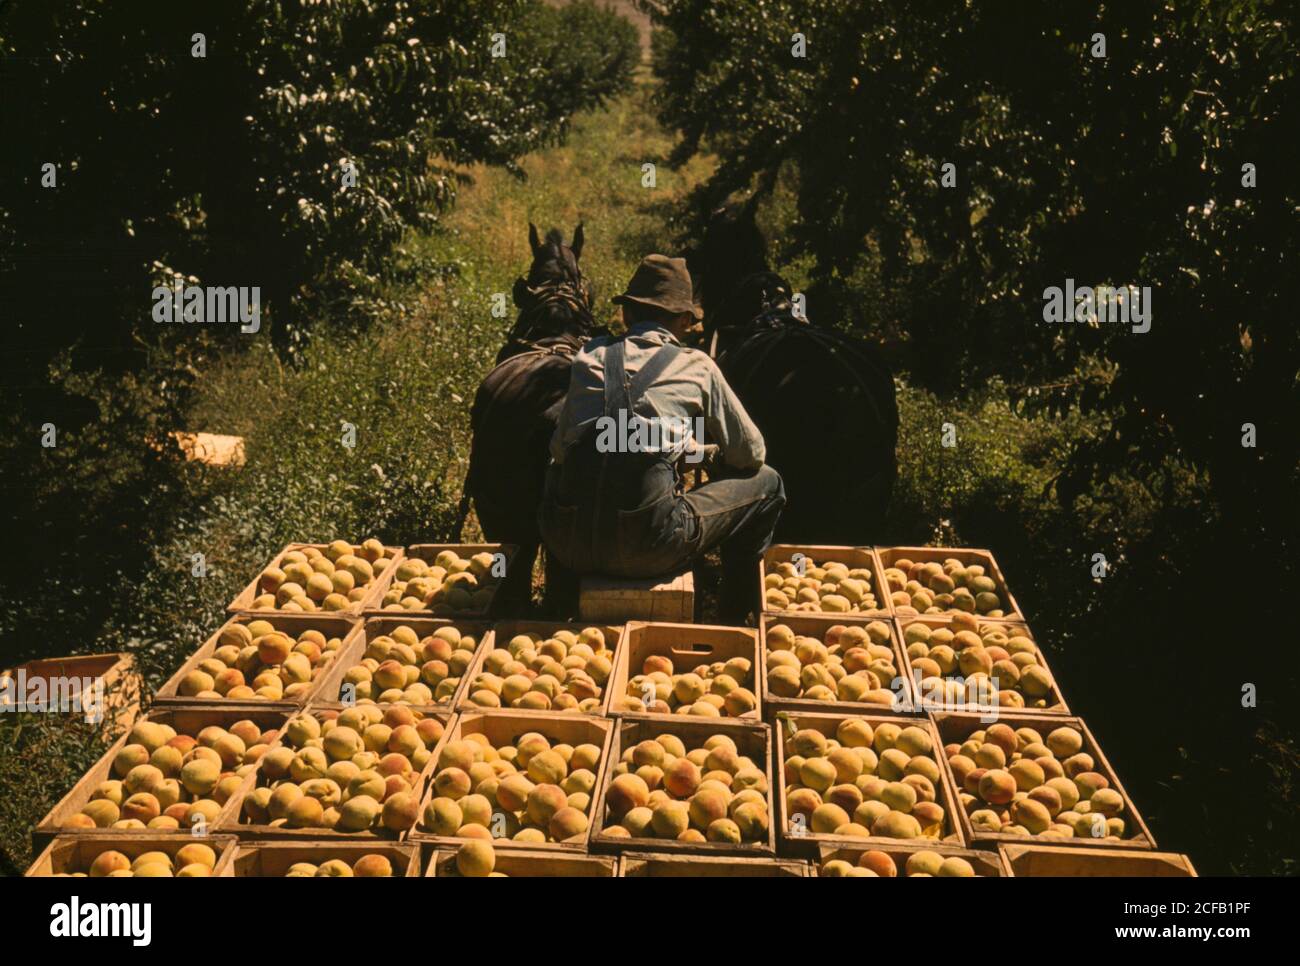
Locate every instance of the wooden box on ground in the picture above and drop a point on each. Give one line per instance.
(985, 864)
(275, 858)
(345, 628)
(801, 840)
(1055, 702)
(232, 816)
(210, 449)
(110, 680)
(505, 727)
(815, 554)
(329, 691)
(504, 631)
(187, 721)
(687, 646)
(244, 599)
(524, 864)
(1063, 861)
(614, 600)
(816, 625)
(660, 865)
(74, 853)
(428, 552)
(889, 556)
(753, 740)
(956, 727)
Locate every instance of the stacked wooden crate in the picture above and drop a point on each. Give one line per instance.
(489, 714)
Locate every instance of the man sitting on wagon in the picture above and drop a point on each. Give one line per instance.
(638, 406)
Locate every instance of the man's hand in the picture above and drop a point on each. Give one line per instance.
(697, 455)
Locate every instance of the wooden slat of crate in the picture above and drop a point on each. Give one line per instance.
(821, 554)
(428, 552)
(967, 555)
(74, 853)
(986, 864)
(816, 625)
(687, 645)
(346, 628)
(505, 726)
(945, 794)
(243, 601)
(1063, 861)
(616, 600)
(752, 739)
(665, 865)
(522, 863)
(1011, 629)
(231, 819)
(274, 858)
(328, 691)
(503, 631)
(115, 672)
(187, 721)
(957, 726)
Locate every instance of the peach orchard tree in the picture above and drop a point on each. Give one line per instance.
(955, 160)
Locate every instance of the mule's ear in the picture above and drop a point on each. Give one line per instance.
(578, 239)
(533, 240)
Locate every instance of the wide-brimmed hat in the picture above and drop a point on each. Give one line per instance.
(664, 283)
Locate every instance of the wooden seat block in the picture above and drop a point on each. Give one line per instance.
(615, 599)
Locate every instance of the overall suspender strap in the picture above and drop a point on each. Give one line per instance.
(616, 387)
(622, 393)
(649, 374)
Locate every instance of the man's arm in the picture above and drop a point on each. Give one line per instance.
(730, 428)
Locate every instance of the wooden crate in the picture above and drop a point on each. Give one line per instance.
(1063, 861)
(329, 691)
(687, 645)
(752, 739)
(888, 555)
(647, 864)
(274, 858)
(211, 449)
(807, 843)
(955, 727)
(503, 631)
(68, 853)
(232, 816)
(986, 864)
(186, 721)
(816, 625)
(524, 864)
(505, 727)
(244, 599)
(1056, 704)
(616, 600)
(345, 628)
(852, 557)
(428, 552)
(114, 675)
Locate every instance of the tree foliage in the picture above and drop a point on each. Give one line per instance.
(228, 169)
(1115, 170)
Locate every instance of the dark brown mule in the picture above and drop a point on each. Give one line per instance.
(837, 458)
(518, 402)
